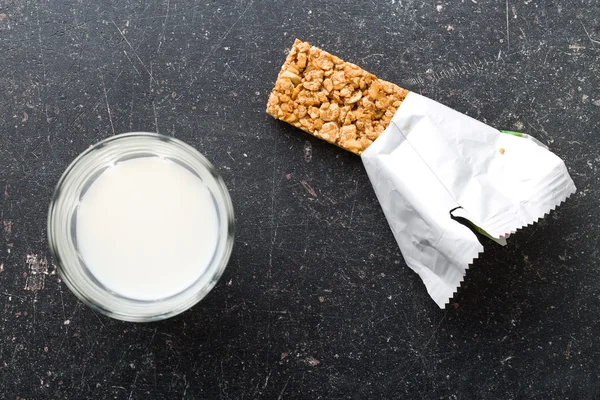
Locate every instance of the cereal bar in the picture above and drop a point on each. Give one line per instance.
(332, 99)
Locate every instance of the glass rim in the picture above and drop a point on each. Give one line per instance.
(67, 193)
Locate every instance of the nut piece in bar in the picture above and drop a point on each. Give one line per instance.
(333, 100)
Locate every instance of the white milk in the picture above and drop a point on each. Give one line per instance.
(147, 228)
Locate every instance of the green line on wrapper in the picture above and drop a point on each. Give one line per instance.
(519, 134)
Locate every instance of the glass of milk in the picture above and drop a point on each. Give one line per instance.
(141, 226)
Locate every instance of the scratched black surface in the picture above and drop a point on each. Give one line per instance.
(317, 302)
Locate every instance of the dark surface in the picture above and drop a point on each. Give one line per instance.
(317, 302)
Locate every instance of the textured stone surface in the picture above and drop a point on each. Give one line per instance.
(317, 302)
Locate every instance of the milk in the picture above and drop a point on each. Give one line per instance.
(147, 228)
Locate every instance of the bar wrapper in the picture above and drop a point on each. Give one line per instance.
(433, 163)
(430, 166)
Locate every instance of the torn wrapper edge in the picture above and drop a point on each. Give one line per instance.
(431, 160)
(504, 243)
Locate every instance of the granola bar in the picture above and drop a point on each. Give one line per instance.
(332, 99)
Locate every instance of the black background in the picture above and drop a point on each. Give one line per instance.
(317, 302)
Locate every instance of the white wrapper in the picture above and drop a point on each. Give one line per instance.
(432, 162)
